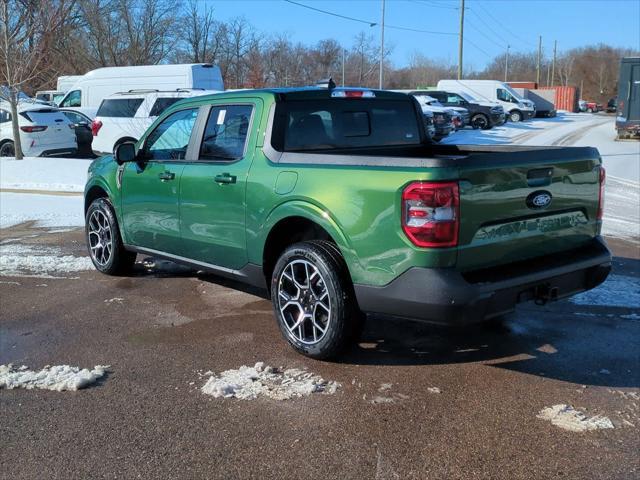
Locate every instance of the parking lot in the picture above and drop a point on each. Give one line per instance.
(414, 401)
(408, 401)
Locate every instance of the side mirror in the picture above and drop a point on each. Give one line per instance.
(125, 152)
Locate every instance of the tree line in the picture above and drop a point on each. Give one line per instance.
(48, 38)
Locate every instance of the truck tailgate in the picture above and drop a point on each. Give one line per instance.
(504, 212)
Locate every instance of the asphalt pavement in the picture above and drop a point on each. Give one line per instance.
(462, 403)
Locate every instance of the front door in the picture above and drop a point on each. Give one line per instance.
(212, 190)
(151, 187)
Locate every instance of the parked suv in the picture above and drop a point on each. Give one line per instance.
(461, 116)
(484, 115)
(44, 130)
(334, 202)
(125, 116)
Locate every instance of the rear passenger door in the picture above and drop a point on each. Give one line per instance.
(213, 188)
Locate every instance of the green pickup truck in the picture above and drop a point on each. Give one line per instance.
(334, 201)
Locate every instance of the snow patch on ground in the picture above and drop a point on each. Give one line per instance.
(39, 261)
(568, 418)
(616, 291)
(58, 378)
(249, 383)
(42, 173)
(622, 209)
(45, 210)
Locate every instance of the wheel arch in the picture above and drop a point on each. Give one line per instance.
(298, 221)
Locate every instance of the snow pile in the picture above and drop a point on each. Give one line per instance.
(617, 291)
(27, 260)
(58, 378)
(568, 418)
(621, 212)
(47, 210)
(248, 383)
(39, 173)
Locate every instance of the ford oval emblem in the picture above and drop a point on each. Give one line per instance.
(539, 200)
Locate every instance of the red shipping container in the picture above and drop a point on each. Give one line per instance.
(529, 85)
(566, 97)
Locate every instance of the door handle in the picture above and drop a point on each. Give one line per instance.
(164, 176)
(225, 178)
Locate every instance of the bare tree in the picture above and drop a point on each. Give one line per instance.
(27, 31)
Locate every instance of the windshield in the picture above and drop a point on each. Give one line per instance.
(515, 94)
(344, 123)
(468, 97)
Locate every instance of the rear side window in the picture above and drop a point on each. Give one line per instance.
(226, 133)
(344, 123)
(161, 104)
(119, 107)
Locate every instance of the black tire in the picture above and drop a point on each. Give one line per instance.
(119, 260)
(515, 116)
(343, 322)
(8, 149)
(480, 120)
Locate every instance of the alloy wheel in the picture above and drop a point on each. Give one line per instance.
(304, 302)
(100, 238)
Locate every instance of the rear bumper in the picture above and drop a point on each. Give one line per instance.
(446, 296)
(55, 152)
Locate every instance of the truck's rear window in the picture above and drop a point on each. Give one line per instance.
(344, 123)
(120, 107)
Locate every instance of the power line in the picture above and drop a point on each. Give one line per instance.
(326, 12)
(371, 24)
(501, 25)
(500, 45)
(427, 3)
(478, 47)
(489, 27)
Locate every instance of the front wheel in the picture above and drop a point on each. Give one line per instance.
(103, 240)
(515, 116)
(313, 299)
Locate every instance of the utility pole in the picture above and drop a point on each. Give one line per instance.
(461, 39)
(506, 64)
(343, 55)
(553, 64)
(380, 82)
(539, 59)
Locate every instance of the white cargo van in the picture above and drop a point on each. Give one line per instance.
(65, 82)
(96, 85)
(516, 108)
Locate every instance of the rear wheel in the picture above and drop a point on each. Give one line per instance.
(8, 149)
(105, 245)
(480, 121)
(313, 299)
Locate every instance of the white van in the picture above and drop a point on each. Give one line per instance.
(65, 82)
(96, 85)
(515, 107)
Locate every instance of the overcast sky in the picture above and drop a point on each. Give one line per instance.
(489, 24)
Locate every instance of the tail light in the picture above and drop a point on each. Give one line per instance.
(96, 125)
(33, 129)
(603, 177)
(431, 213)
(352, 94)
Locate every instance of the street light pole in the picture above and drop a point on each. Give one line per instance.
(380, 80)
(343, 55)
(506, 64)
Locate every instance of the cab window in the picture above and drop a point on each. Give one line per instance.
(225, 134)
(170, 139)
(73, 99)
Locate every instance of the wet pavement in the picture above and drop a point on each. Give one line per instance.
(416, 401)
